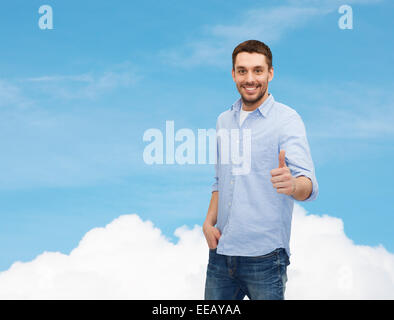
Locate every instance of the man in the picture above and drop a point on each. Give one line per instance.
(249, 246)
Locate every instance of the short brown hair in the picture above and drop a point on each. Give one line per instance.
(254, 46)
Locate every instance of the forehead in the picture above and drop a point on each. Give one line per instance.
(250, 60)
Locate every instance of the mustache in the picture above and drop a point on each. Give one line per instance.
(250, 84)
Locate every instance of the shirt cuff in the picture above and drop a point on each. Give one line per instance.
(315, 186)
(215, 187)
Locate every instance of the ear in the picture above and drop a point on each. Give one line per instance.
(233, 74)
(271, 74)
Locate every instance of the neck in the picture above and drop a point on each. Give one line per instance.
(254, 105)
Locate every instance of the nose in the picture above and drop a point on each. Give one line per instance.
(249, 77)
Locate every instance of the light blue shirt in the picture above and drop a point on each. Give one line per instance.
(252, 217)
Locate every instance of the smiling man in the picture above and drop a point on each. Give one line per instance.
(248, 223)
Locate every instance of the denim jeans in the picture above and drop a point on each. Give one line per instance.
(260, 278)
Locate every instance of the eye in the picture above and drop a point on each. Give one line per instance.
(259, 71)
(241, 71)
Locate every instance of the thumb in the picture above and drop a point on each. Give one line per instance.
(282, 162)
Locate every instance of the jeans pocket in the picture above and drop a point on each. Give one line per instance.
(266, 256)
(282, 263)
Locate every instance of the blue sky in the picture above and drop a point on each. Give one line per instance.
(76, 100)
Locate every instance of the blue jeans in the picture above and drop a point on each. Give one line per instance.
(259, 278)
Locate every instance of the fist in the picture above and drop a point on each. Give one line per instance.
(282, 179)
(212, 235)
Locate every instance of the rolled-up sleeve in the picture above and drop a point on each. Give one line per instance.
(215, 184)
(298, 157)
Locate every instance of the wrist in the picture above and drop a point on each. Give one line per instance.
(207, 224)
(294, 187)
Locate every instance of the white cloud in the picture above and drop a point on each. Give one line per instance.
(48, 147)
(268, 24)
(78, 78)
(51, 142)
(131, 259)
(88, 85)
(331, 3)
(351, 110)
(328, 265)
(12, 96)
(128, 259)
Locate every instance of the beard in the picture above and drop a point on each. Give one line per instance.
(250, 101)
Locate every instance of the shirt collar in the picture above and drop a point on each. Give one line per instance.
(264, 108)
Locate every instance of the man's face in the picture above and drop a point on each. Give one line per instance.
(251, 75)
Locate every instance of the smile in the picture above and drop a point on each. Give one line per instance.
(250, 89)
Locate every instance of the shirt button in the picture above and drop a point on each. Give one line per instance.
(229, 204)
(232, 182)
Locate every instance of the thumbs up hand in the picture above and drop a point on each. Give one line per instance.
(282, 179)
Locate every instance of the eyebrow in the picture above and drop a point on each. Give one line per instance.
(255, 67)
